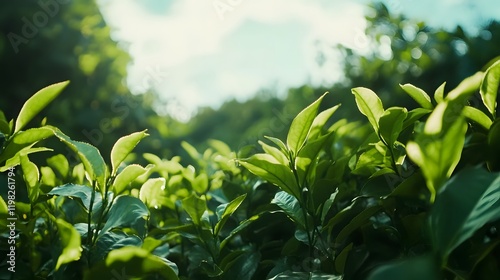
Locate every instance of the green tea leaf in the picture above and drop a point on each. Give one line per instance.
(320, 121)
(132, 263)
(419, 95)
(90, 157)
(439, 93)
(84, 193)
(25, 139)
(291, 206)
(60, 164)
(466, 88)
(438, 156)
(195, 207)
(477, 116)
(268, 168)
(275, 152)
(152, 192)
(494, 147)
(136, 215)
(369, 104)
(126, 176)
(200, 183)
(301, 125)
(489, 87)
(70, 242)
(411, 269)
(31, 177)
(224, 211)
(307, 156)
(391, 124)
(467, 202)
(37, 102)
(123, 147)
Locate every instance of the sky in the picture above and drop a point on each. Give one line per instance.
(199, 53)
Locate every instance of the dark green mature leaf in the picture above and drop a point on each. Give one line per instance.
(489, 87)
(291, 206)
(241, 266)
(391, 124)
(90, 157)
(290, 275)
(268, 168)
(126, 176)
(195, 207)
(37, 102)
(83, 193)
(494, 146)
(128, 262)
(411, 269)
(301, 125)
(224, 211)
(419, 95)
(127, 211)
(70, 242)
(466, 203)
(358, 221)
(123, 147)
(477, 116)
(369, 104)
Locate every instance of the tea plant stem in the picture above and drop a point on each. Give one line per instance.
(89, 228)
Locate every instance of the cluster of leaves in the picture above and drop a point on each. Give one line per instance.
(411, 194)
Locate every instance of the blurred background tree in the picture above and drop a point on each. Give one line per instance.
(69, 40)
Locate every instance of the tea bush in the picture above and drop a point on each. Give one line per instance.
(412, 194)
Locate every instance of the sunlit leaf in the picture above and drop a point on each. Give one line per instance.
(477, 116)
(37, 102)
(126, 176)
(132, 262)
(301, 125)
(419, 95)
(152, 192)
(70, 242)
(489, 87)
(31, 176)
(268, 168)
(369, 104)
(123, 147)
(391, 124)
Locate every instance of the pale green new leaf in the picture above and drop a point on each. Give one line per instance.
(369, 104)
(320, 121)
(477, 116)
(391, 124)
(25, 139)
(466, 88)
(489, 87)
(126, 176)
(123, 147)
(301, 125)
(268, 168)
(31, 176)
(132, 263)
(37, 102)
(152, 192)
(419, 95)
(70, 242)
(275, 152)
(439, 93)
